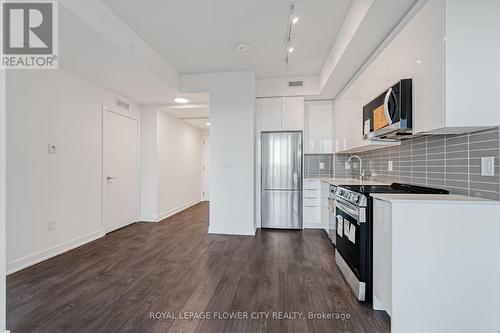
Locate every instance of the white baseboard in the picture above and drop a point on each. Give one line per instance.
(314, 226)
(174, 211)
(216, 231)
(40, 256)
(148, 218)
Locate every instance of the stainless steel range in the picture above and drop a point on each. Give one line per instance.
(353, 252)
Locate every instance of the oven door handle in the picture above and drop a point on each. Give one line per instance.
(353, 212)
(388, 96)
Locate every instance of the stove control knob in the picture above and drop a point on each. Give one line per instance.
(356, 198)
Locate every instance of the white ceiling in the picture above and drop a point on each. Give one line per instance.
(371, 24)
(200, 123)
(109, 67)
(201, 36)
(196, 112)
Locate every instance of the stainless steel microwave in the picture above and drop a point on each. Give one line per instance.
(389, 116)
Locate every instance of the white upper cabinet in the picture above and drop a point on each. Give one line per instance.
(293, 114)
(456, 66)
(280, 114)
(318, 138)
(472, 65)
(449, 49)
(269, 114)
(348, 132)
(428, 74)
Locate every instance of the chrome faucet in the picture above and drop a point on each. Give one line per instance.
(361, 171)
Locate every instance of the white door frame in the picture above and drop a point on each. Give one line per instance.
(205, 193)
(3, 195)
(138, 201)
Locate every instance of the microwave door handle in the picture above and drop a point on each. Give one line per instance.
(386, 105)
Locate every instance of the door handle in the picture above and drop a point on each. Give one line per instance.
(109, 179)
(388, 96)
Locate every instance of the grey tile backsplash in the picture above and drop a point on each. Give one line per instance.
(313, 163)
(452, 162)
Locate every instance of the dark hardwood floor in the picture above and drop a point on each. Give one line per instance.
(117, 283)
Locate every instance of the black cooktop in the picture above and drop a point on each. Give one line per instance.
(394, 188)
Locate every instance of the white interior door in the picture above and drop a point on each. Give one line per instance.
(205, 149)
(120, 170)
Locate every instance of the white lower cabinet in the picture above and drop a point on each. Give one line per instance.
(315, 198)
(325, 213)
(312, 204)
(436, 263)
(382, 256)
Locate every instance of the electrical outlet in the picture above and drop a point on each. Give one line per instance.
(390, 166)
(487, 166)
(52, 226)
(321, 165)
(52, 149)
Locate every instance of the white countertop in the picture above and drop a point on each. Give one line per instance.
(348, 181)
(400, 197)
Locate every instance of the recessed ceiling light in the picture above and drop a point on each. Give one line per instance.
(208, 124)
(290, 49)
(181, 100)
(242, 47)
(295, 19)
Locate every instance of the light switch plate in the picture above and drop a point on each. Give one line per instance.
(321, 165)
(51, 226)
(390, 166)
(487, 166)
(52, 149)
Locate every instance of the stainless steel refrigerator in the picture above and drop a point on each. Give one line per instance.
(281, 180)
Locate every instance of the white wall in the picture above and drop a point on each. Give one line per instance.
(231, 179)
(122, 53)
(2, 201)
(149, 164)
(273, 87)
(59, 108)
(170, 164)
(179, 164)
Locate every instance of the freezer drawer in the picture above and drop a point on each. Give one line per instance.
(282, 209)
